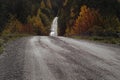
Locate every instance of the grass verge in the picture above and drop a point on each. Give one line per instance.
(1, 45)
(9, 37)
(110, 40)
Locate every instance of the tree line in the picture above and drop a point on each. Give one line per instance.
(90, 18)
(76, 17)
(26, 16)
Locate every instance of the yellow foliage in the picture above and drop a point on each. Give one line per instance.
(42, 4)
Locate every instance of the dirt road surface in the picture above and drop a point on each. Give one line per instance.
(59, 58)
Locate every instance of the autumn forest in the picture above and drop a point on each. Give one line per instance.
(76, 17)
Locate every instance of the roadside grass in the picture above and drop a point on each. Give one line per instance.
(110, 40)
(4, 39)
(1, 46)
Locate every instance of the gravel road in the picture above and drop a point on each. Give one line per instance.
(59, 58)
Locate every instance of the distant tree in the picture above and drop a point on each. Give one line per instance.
(49, 4)
(42, 5)
(13, 26)
(38, 26)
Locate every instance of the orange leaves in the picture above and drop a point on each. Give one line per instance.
(87, 19)
(90, 22)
